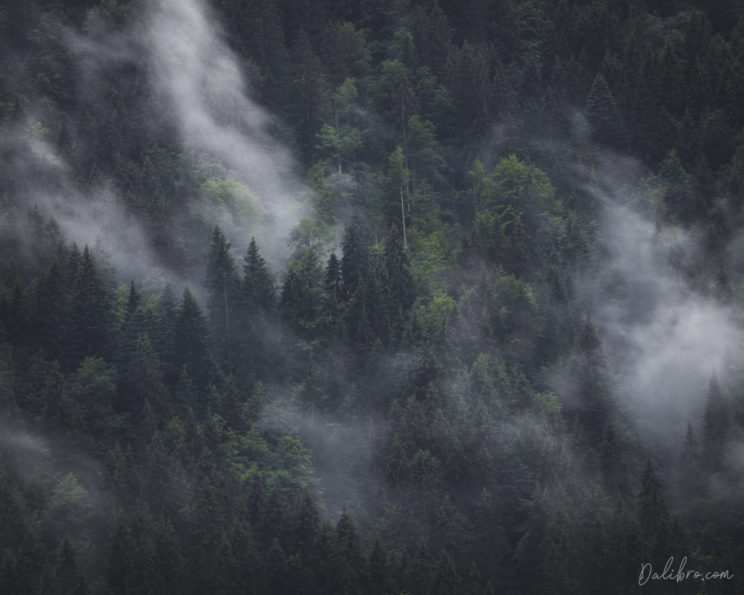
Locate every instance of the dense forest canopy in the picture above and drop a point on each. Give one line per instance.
(395, 297)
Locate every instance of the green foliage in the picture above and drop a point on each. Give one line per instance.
(325, 197)
(439, 376)
(432, 318)
(301, 292)
(516, 182)
(229, 202)
(604, 117)
(432, 253)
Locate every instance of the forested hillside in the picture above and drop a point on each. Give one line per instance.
(386, 297)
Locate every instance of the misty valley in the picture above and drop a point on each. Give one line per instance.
(406, 297)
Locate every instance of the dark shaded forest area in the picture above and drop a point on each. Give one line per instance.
(387, 297)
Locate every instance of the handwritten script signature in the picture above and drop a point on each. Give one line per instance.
(679, 574)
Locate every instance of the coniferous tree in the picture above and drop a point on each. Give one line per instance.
(222, 287)
(226, 509)
(398, 284)
(133, 300)
(715, 427)
(68, 576)
(52, 311)
(257, 301)
(308, 89)
(258, 285)
(332, 296)
(191, 342)
(690, 468)
(605, 119)
(144, 377)
(358, 289)
(163, 335)
(653, 516)
(612, 465)
(90, 313)
(354, 259)
(379, 570)
(353, 573)
(301, 293)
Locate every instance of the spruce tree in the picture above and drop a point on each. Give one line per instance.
(399, 292)
(354, 574)
(222, 286)
(52, 311)
(715, 427)
(653, 515)
(90, 312)
(257, 288)
(354, 260)
(191, 342)
(602, 112)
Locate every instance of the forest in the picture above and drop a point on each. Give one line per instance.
(394, 297)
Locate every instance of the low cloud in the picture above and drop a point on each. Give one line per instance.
(201, 80)
(665, 337)
(249, 184)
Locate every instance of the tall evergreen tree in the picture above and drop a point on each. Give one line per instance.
(690, 468)
(715, 426)
(653, 515)
(257, 289)
(52, 311)
(399, 289)
(222, 287)
(354, 259)
(353, 572)
(301, 293)
(91, 333)
(191, 342)
(332, 296)
(605, 119)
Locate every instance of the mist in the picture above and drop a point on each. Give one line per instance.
(249, 183)
(665, 336)
(472, 400)
(202, 81)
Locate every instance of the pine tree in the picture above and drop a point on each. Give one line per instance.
(593, 391)
(395, 206)
(398, 290)
(69, 579)
(222, 288)
(143, 377)
(91, 307)
(653, 516)
(306, 527)
(715, 427)
(90, 313)
(301, 293)
(395, 95)
(690, 469)
(680, 195)
(331, 309)
(133, 300)
(52, 311)
(379, 572)
(308, 91)
(359, 321)
(613, 466)
(162, 335)
(191, 342)
(354, 259)
(607, 126)
(420, 573)
(353, 577)
(257, 289)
